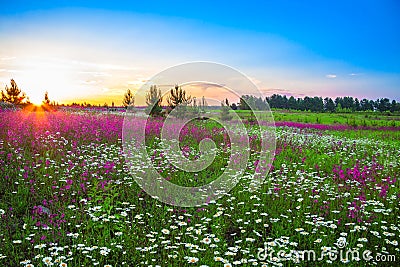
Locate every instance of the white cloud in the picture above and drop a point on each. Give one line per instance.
(7, 58)
(137, 82)
(331, 76)
(96, 73)
(255, 80)
(89, 82)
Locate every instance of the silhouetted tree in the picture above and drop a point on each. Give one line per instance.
(46, 100)
(153, 101)
(179, 100)
(129, 99)
(178, 97)
(12, 94)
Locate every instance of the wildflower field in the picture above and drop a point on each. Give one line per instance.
(68, 199)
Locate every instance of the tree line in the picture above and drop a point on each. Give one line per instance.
(318, 104)
(14, 95)
(178, 97)
(178, 100)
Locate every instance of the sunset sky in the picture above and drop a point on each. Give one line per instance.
(94, 50)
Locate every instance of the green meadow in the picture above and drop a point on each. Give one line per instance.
(67, 198)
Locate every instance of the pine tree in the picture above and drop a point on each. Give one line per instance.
(329, 105)
(12, 94)
(153, 101)
(179, 99)
(129, 99)
(46, 100)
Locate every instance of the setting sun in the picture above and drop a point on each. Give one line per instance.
(43, 75)
(36, 99)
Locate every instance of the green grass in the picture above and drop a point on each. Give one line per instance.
(312, 196)
(374, 119)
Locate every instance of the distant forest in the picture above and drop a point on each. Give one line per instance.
(317, 104)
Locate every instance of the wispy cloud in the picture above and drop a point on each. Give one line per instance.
(205, 85)
(103, 65)
(10, 70)
(96, 73)
(7, 58)
(271, 91)
(137, 82)
(255, 80)
(90, 82)
(330, 76)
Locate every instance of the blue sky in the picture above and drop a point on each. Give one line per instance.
(95, 50)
